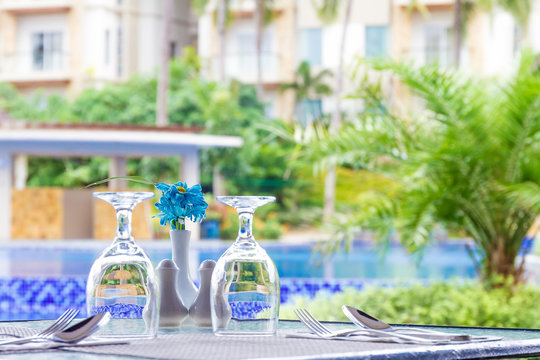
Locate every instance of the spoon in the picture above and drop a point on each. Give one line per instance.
(366, 321)
(82, 329)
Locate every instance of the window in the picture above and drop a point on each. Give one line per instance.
(438, 40)
(309, 110)
(47, 51)
(311, 46)
(107, 47)
(376, 41)
(247, 53)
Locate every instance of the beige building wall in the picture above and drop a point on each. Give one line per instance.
(292, 16)
(103, 41)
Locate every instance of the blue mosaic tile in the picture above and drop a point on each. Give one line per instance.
(47, 298)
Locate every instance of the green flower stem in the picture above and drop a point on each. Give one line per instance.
(179, 224)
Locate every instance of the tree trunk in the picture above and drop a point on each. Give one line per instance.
(221, 17)
(218, 182)
(501, 262)
(335, 123)
(163, 79)
(258, 44)
(458, 27)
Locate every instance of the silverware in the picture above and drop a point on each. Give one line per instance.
(366, 321)
(319, 329)
(60, 324)
(82, 329)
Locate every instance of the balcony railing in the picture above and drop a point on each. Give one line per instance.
(243, 67)
(35, 6)
(24, 66)
(443, 56)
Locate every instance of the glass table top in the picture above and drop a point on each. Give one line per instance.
(517, 343)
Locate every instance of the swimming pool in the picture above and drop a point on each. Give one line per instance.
(41, 279)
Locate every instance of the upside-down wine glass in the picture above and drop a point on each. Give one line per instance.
(244, 293)
(122, 280)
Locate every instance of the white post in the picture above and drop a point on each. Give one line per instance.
(117, 167)
(20, 171)
(190, 173)
(5, 196)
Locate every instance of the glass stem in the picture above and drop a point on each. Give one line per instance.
(246, 226)
(123, 230)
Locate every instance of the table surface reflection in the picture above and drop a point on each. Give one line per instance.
(517, 343)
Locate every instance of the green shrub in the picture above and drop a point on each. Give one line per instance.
(450, 303)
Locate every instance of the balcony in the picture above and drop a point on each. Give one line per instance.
(35, 6)
(427, 3)
(30, 69)
(243, 67)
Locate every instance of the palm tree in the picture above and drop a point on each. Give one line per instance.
(222, 8)
(222, 25)
(263, 16)
(308, 86)
(328, 12)
(218, 182)
(469, 161)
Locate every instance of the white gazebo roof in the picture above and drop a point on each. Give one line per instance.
(84, 142)
(92, 140)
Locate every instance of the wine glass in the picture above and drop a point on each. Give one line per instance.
(244, 292)
(122, 280)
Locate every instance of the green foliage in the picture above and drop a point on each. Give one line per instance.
(308, 85)
(66, 172)
(465, 158)
(451, 303)
(38, 107)
(128, 103)
(327, 10)
(258, 167)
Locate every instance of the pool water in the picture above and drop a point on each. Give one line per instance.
(40, 280)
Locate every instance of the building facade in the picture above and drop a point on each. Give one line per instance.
(64, 46)
(382, 28)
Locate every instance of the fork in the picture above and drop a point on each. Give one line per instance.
(60, 324)
(321, 330)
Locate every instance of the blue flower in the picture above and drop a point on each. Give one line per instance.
(179, 202)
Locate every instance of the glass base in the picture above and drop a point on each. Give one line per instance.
(244, 333)
(252, 327)
(126, 329)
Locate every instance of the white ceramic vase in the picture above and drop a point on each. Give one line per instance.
(180, 254)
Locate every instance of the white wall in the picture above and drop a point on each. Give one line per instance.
(367, 12)
(499, 44)
(148, 51)
(204, 40)
(97, 20)
(150, 29)
(534, 27)
(331, 42)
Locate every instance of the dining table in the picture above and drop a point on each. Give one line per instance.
(191, 342)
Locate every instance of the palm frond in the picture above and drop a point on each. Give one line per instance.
(524, 195)
(448, 157)
(327, 10)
